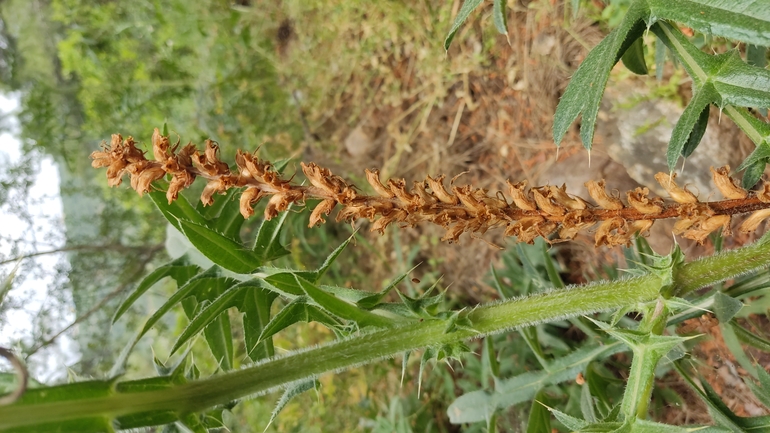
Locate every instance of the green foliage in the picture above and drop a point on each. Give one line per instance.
(723, 80)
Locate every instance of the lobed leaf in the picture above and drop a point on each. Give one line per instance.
(297, 311)
(718, 79)
(584, 91)
(342, 309)
(746, 21)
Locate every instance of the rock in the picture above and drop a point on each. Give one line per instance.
(358, 143)
(637, 137)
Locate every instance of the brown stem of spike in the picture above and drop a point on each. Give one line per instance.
(531, 212)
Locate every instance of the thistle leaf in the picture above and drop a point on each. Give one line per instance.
(477, 406)
(180, 270)
(220, 249)
(465, 11)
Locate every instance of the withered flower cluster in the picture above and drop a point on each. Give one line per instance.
(527, 213)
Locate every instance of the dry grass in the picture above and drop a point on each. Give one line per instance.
(375, 89)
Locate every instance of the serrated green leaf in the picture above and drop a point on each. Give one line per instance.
(500, 16)
(572, 423)
(290, 393)
(180, 270)
(746, 21)
(284, 284)
(719, 411)
(725, 307)
(584, 91)
(220, 249)
(217, 332)
(645, 426)
(179, 209)
(318, 273)
(256, 315)
(753, 173)
(296, 311)
(539, 416)
(750, 338)
(226, 217)
(477, 406)
(698, 130)
(232, 297)
(587, 404)
(201, 283)
(462, 15)
(724, 80)
(686, 125)
(371, 301)
(342, 309)
(267, 243)
(633, 58)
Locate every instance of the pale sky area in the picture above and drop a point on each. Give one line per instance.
(33, 293)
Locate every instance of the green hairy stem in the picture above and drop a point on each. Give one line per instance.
(484, 320)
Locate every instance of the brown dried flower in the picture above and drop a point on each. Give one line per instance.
(532, 213)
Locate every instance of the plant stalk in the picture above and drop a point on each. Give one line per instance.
(302, 365)
(33, 409)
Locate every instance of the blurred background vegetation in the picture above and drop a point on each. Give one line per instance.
(349, 84)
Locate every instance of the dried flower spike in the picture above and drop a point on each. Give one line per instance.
(531, 213)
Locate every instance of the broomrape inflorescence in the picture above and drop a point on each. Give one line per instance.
(531, 213)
